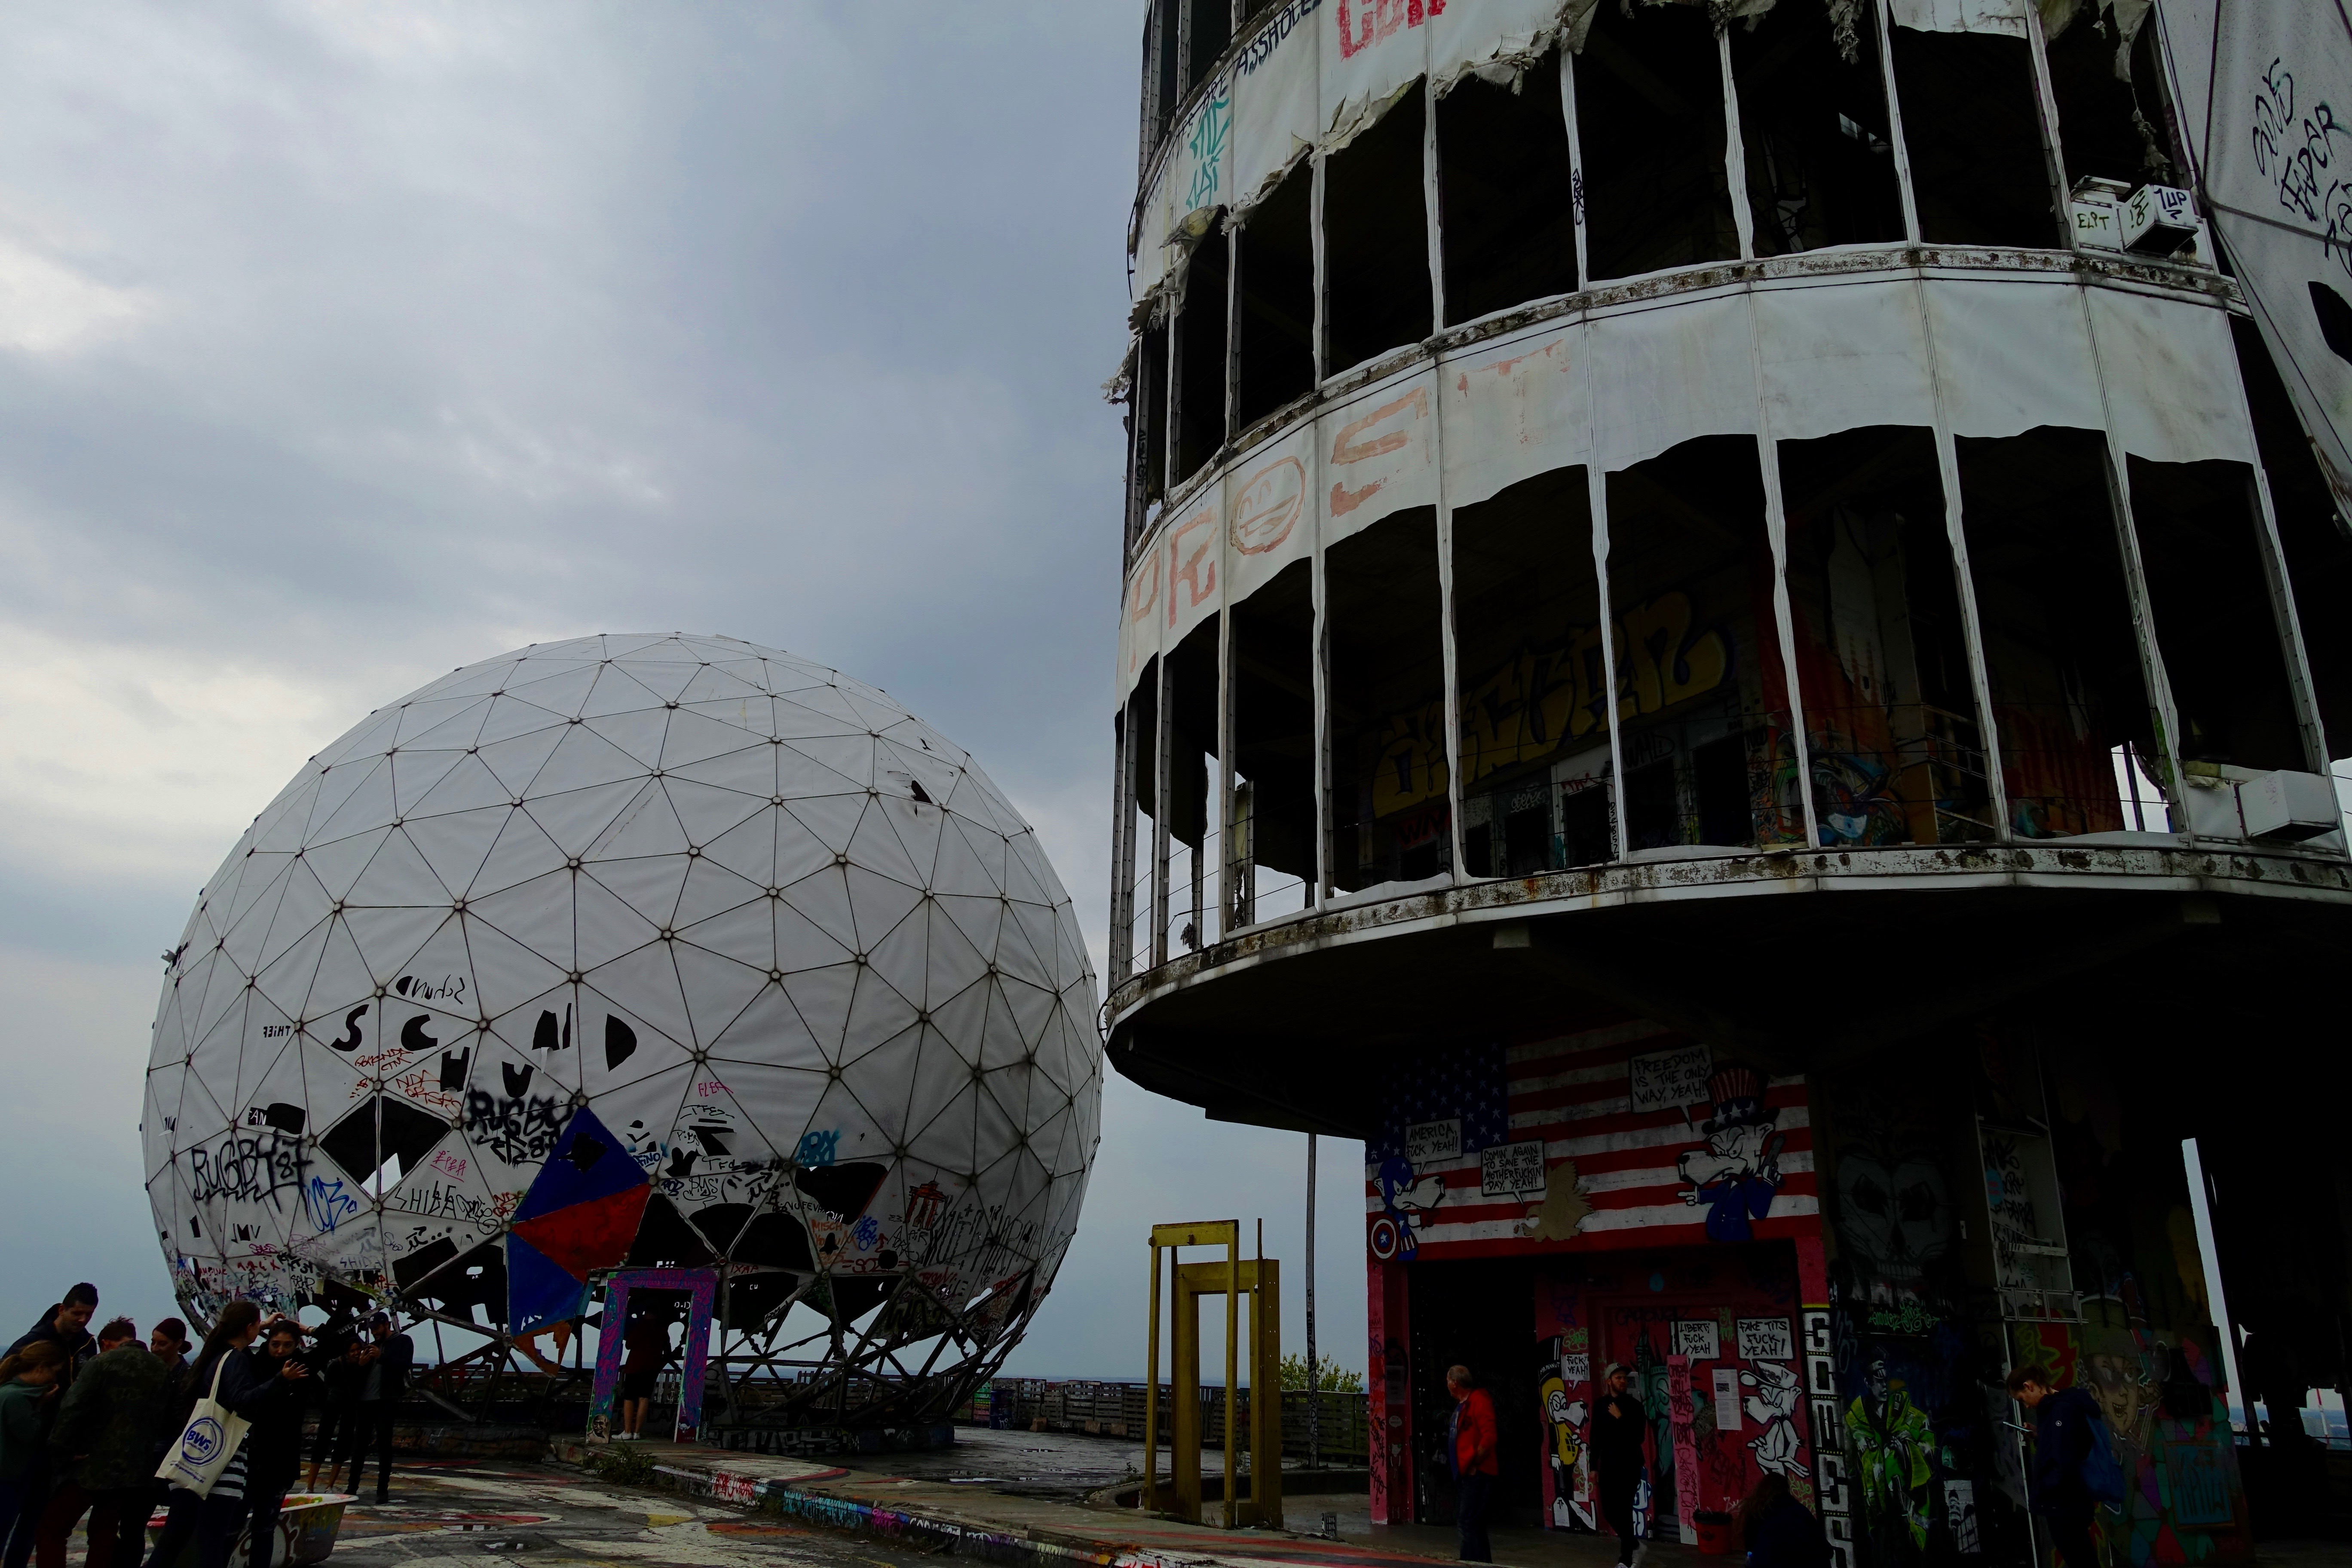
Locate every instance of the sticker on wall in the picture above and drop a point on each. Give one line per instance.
(1668, 1080)
(1511, 1169)
(1430, 1142)
(1727, 1399)
(1701, 1339)
(1765, 1338)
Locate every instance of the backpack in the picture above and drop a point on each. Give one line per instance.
(2102, 1477)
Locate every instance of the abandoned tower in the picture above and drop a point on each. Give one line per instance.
(1727, 658)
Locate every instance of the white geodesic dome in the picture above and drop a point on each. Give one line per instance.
(654, 951)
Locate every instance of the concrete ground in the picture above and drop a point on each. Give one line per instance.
(1010, 1496)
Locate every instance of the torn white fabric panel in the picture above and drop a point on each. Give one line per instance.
(1514, 410)
(1370, 52)
(2278, 169)
(1495, 39)
(2171, 374)
(1153, 219)
(1275, 102)
(1837, 356)
(1270, 510)
(2012, 355)
(1140, 612)
(1192, 585)
(1962, 16)
(1664, 376)
(2187, 41)
(1379, 454)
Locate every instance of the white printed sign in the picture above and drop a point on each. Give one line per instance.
(1727, 1399)
(1765, 1338)
(1432, 1143)
(1701, 1339)
(1576, 1368)
(1668, 1080)
(1511, 1169)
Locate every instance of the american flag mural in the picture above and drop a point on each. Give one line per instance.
(1620, 1133)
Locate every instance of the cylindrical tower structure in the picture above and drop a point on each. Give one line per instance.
(1725, 644)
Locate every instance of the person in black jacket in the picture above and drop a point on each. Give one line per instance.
(1620, 1429)
(339, 1412)
(66, 1326)
(387, 1362)
(247, 1389)
(274, 1441)
(2065, 1424)
(1778, 1531)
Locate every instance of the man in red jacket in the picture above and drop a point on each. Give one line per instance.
(1470, 1445)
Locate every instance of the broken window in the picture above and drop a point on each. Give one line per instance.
(1273, 252)
(1507, 219)
(1143, 743)
(1813, 119)
(1159, 73)
(1972, 125)
(1274, 748)
(2061, 652)
(1201, 339)
(1891, 721)
(1390, 816)
(2315, 545)
(1534, 701)
(2107, 129)
(1207, 28)
(2208, 594)
(1650, 132)
(1376, 240)
(1191, 757)
(1148, 399)
(1702, 702)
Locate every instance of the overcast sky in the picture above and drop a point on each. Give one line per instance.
(341, 345)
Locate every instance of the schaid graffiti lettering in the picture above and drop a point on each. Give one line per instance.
(247, 1169)
(1363, 22)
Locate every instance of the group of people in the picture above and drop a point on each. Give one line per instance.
(87, 1421)
(1776, 1529)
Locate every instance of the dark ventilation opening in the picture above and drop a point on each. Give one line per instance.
(1534, 699)
(1273, 248)
(1972, 124)
(1698, 651)
(438, 1274)
(2209, 597)
(1390, 815)
(1274, 746)
(2101, 130)
(1812, 117)
(1508, 214)
(1207, 28)
(2312, 536)
(2061, 652)
(664, 1240)
(1890, 713)
(1376, 240)
(1192, 866)
(1201, 358)
(1649, 124)
(1150, 398)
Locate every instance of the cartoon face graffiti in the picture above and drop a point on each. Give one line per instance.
(1894, 1213)
(1404, 1199)
(1738, 1171)
(1773, 1408)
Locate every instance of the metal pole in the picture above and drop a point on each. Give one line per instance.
(1313, 1388)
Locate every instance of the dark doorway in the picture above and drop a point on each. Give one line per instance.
(1480, 1315)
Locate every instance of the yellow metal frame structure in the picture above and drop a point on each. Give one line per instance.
(1260, 1279)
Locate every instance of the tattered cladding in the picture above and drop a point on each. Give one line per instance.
(742, 917)
(1788, 359)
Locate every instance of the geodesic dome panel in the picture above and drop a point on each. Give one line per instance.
(632, 950)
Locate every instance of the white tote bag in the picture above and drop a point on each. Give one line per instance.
(209, 1441)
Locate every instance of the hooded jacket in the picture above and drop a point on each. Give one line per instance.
(113, 1419)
